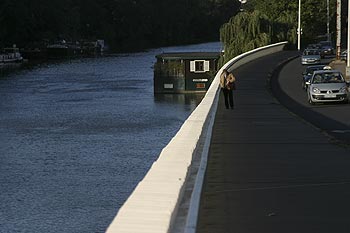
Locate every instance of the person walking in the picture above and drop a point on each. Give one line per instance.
(227, 84)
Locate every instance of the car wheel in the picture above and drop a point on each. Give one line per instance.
(310, 101)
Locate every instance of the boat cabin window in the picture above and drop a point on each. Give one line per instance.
(199, 66)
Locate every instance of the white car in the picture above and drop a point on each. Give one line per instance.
(327, 86)
(344, 55)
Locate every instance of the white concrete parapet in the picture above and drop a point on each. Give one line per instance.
(153, 205)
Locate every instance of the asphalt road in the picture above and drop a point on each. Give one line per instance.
(331, 118)
(269, 170)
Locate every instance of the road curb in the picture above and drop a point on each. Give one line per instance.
(318, 121)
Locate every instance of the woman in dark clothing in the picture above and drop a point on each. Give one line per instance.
(227, 84)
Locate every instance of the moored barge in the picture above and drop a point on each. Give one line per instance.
(10, 55)
(188, 72)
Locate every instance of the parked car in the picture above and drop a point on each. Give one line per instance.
(327, 86)
(311, 57)
(307, 74)
(313, 46)
(326, 48)
(344, 55)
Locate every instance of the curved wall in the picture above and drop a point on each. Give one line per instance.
(154, 203)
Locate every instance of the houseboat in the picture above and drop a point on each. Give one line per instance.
(188, 72)
(61, 49)
(10, 55)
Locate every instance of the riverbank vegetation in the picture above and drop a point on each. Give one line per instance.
(125, 25)
(262, 22)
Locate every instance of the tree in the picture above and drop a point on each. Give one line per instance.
(124, 24)
(313, 15)
(245, 31)
(269, 21)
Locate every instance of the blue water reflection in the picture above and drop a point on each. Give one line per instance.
(77, 136)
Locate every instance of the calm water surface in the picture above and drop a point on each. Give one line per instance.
(77, 136)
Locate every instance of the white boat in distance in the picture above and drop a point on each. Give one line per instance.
(10, 55)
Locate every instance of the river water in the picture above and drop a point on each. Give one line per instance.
(77, 136)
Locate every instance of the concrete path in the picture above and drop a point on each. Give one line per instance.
(270, 171)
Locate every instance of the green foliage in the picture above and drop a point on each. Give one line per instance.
(170, 68)
(249, 30)
(269, 21)
(313, 15)
(136, 24)
(124, 24)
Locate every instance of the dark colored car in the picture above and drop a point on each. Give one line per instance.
(307, 74)
(326, 48)
(313, 46)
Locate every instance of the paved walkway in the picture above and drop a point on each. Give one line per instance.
(270, 171)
